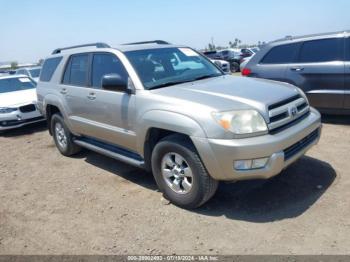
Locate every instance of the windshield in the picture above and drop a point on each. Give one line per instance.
(169, 66)
(35, 72)
(15, 84)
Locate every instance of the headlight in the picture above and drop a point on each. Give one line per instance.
(5, 110)
(303, 95)
(241, 122)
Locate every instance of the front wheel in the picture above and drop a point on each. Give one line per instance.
(180, 173)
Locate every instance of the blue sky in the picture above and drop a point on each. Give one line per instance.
(32, 29)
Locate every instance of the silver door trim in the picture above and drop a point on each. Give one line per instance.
(327, 91)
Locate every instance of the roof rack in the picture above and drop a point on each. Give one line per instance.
(158, 42)
(98, 45)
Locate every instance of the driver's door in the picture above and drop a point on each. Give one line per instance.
(111, 114)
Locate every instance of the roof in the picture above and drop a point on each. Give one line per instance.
(29, 68)
(12, 76)
(310, 36)
(127, 48)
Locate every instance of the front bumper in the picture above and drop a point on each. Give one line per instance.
(17, 119)
(282, 149)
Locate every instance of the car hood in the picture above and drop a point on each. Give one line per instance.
(231, 92)
(18, 98)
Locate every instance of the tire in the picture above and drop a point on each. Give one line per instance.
(234, 67)
(166, 159)
(62, 136)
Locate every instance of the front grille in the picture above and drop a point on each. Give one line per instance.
(27, 108)
(299, 146)
(286, 113)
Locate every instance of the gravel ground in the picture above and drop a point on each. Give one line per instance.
(90, 204)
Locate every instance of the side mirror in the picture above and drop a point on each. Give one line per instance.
(114, 82)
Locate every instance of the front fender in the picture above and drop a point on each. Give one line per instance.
(167, 120)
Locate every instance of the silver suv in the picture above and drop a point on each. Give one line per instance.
(169, 110)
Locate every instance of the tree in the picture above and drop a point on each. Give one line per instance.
(235, 44)
(14, 65)
(211, 47)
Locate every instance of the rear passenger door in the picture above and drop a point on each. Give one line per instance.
(274, 64)
(347, 74)
(319, 72)
(74, 90)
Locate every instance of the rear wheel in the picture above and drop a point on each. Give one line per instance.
(180, 174)
(62, 136)
(234, 67)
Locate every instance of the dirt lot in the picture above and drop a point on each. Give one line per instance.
(90, 204)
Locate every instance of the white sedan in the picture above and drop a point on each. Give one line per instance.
(18, 102)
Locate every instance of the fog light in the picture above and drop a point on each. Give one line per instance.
(250, 163)
(260, 162)
(243, 164)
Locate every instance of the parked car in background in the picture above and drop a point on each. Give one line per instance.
(214, 56)
(244, 62)
(224, 65)
(169, 110)
(248, 52)
(231, 56)
(17, 102)
(32, 72)
(318, 64)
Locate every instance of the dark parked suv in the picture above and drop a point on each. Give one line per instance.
(318, 64)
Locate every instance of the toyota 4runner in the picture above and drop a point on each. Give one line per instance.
(171, 111)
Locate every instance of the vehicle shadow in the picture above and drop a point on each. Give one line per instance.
(25, 130)
(287, 195)
(130, 173)
(336, 119)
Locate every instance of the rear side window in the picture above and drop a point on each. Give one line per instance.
(347, 49)
(324, 50)
(76, 71)
(103, 64)
(282, 54)
(49, 68)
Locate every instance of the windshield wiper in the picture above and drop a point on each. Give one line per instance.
(171, 83)
(205, 77)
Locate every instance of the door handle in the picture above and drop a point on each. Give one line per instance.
(297, 69)
(63, 91)
(92, 96)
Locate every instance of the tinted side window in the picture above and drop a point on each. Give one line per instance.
(282, 54)
(77, 70)
(348, 49)
(103, 64)
(49, 68)
(324, 50)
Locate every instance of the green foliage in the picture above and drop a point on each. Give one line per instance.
(14, 65)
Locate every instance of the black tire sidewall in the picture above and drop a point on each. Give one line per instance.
(69, 148)
(234, 67)
(192, 198)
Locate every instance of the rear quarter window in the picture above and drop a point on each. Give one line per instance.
(282, 54)
(49, 68)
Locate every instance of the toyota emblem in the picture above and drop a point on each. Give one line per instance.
(293, 111)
